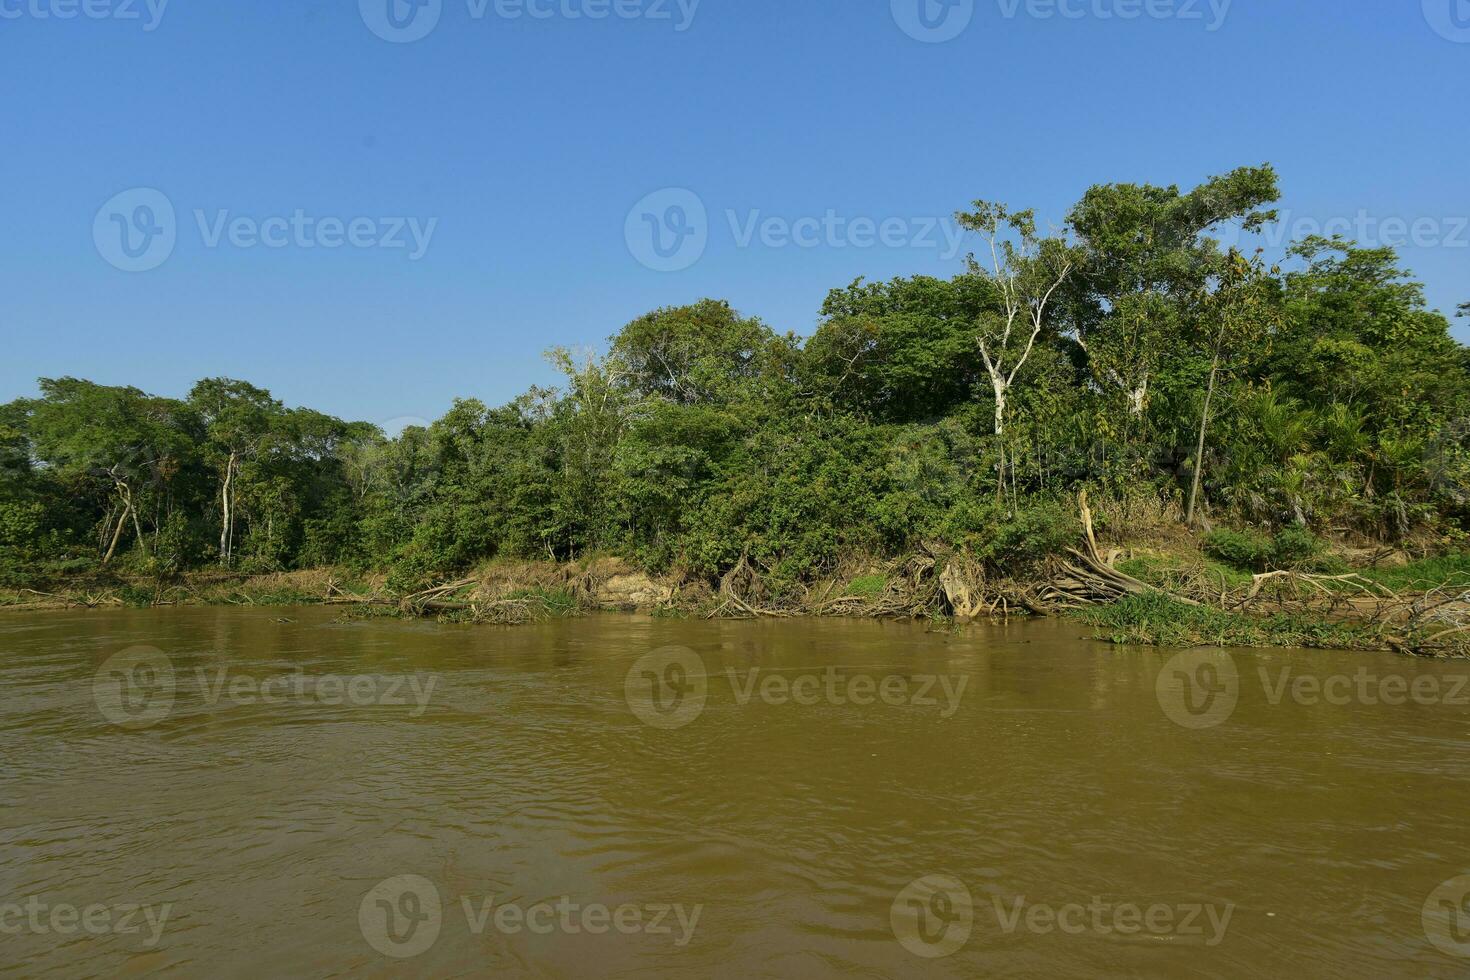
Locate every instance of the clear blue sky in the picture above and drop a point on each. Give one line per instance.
(531, 139)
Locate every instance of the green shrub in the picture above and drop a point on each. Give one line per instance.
(136, 596)
(1010, 541)
(1294, 546)
(1242, 549)
(1291, 547)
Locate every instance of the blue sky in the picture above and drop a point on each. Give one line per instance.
(518, 147)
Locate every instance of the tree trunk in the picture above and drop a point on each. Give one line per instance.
(998, 383)
(138, 529)
(122, 520)
(226, 514)
(1199, 453)
(1137, 397)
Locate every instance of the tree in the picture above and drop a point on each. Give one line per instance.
(899, 351)
(1026, 272)
(1145, 256)
(239, 422)
(693, 354)
(1239, 311)
(129, 440)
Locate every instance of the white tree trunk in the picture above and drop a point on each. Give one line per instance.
(1138, 398)
(122, 520)
(226, 536)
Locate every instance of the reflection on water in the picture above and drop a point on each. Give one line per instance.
(217, 791)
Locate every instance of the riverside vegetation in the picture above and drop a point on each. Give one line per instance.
(1123, 417)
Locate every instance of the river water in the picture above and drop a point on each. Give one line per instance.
(252, 792)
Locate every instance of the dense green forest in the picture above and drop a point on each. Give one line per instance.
(1129, 352)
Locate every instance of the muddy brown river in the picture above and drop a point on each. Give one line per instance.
(262, 792)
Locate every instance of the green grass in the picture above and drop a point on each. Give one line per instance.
(1158, 570)
(1155, 619)
(867, 586)
(1427, 573)
(1161, 571)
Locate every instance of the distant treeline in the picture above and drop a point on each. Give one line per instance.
(1129, 352)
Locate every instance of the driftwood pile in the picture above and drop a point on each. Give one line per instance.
(460, 599)
(1088, 577)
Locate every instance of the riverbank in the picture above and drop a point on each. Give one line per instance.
(1162, 594)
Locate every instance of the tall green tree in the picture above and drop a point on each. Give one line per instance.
(239, 422)
(1241, 310)
(1145, 256)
